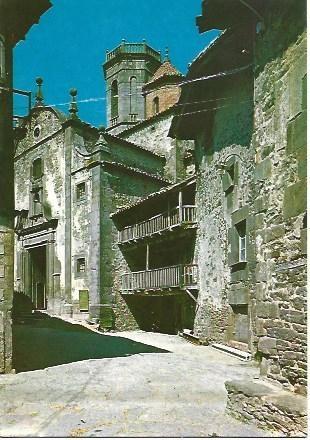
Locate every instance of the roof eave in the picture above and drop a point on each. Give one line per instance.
(23, 14)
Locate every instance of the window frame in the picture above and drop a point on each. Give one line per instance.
(39, 175)
(78, 262)
(238, 239)
(114, 99)
(155, 105)
(82, 197)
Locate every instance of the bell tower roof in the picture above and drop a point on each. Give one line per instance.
(129, 51)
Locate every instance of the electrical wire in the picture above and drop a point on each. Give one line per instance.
(211, 109)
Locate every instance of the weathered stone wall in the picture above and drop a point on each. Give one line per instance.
(125, 189)
(81, 238)
(267, 293)
(280, 190)
(168, 95)
(7, 190)
(152, 135)
(49, 146)
(6, 298)
(136, 157)
(219, 289)
(267, 406)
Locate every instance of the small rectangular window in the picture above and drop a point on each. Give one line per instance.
(241, 229)
(80, 265)
(80, 191)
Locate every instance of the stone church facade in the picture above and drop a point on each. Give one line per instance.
(69, 178)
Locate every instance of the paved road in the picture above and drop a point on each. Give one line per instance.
(175, 394)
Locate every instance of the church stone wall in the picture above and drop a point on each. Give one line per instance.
(49, 147)
(168, 95)
(153, 136)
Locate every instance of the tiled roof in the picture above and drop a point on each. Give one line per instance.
(166, 69)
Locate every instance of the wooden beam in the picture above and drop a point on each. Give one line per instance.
(180, 206)
(147, 265)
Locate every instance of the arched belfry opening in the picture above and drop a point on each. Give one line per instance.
(127, 69)
(133, 95)
(114, 99)
(156, 105)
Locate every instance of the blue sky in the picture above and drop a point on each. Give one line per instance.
(68, 46)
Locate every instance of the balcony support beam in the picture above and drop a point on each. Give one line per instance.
(147, 265)
(180, 206)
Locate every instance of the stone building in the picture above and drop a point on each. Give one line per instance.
(70, 177)
(140, 79)
(16, 18)
(244, 105)
(162, 91)
(157, 240)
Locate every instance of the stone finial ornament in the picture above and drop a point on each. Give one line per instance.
(73, 109)
(39, 94)
(167, 57)
(102, 143)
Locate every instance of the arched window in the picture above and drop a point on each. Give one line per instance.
(133, 95)
(156, 105)
(114, 99)
(2, 58)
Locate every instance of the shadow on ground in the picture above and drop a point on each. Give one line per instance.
(43, 342)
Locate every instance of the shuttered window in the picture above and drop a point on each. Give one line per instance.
(233, 239)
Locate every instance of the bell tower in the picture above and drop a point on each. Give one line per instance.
(126, 69)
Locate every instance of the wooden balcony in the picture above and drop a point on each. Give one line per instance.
(114, 121)
(181, 276)
(184, 215)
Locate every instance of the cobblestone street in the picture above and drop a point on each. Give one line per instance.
(176, 394)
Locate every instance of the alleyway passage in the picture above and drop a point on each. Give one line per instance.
(173, 394)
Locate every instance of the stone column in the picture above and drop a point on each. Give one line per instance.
(100, 258)
(7, 195)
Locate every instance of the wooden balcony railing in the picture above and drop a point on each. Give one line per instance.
(159, 223)
(183, 275)
(114, 121)
(133, 117)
